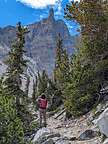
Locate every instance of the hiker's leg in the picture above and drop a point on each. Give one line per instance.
(44, 117)
(40, 117)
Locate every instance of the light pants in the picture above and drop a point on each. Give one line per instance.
(42, 116)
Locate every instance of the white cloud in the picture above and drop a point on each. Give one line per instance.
(77, 0)
(59, 7)
(38, 3)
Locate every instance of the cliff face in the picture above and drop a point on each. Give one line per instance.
(40, 41)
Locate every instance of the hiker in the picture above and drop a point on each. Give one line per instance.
(42, 101)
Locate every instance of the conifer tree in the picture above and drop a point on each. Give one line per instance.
(90, 63)
(42, 82)
(27, 85)
(16, 64)
(45, 85)
(34, 89)
(61, 71)
(11, 127)
(51, 89)
(58, 61)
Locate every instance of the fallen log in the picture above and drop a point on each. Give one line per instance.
(59, 114)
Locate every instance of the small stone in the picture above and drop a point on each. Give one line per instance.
(67, 126)
(73, 139)
(88, 134)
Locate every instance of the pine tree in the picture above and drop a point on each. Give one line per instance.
(51, 89)
(59, 51)
(58, 61)
(15, 69)
(61, 71)
(65, 68)
(27, 85)
(92, 17)
(42, 82)
(16, 64)
(45, 85)
(11, 127)
(34, 89)
(89, 64)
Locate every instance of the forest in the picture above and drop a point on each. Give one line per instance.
(76, 81)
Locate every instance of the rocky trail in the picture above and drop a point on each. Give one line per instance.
(87, 129)
(60, 130)
(74, 131)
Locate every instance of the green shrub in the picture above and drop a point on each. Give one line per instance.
(11, 127)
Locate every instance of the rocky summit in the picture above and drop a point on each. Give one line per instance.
(40, 41)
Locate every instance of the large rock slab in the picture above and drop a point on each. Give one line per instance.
(45, 136)
(41, 135)
(102, 122)
(106, 141)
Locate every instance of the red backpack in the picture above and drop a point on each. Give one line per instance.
(42, 103)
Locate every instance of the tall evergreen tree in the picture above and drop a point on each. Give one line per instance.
(45, 85)
(42, 82)
(34, 89)
(11, 127)
(27, 85)
(61, 71)
(90, 64)
(16, 64)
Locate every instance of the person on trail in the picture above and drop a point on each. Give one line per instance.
(42, 102)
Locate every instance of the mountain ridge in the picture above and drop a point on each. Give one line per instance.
(40, 41)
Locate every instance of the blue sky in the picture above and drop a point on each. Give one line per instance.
(30, 11)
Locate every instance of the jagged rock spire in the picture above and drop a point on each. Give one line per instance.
(51, 14)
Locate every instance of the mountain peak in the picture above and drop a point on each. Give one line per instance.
(41, 41)
(51, 14)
